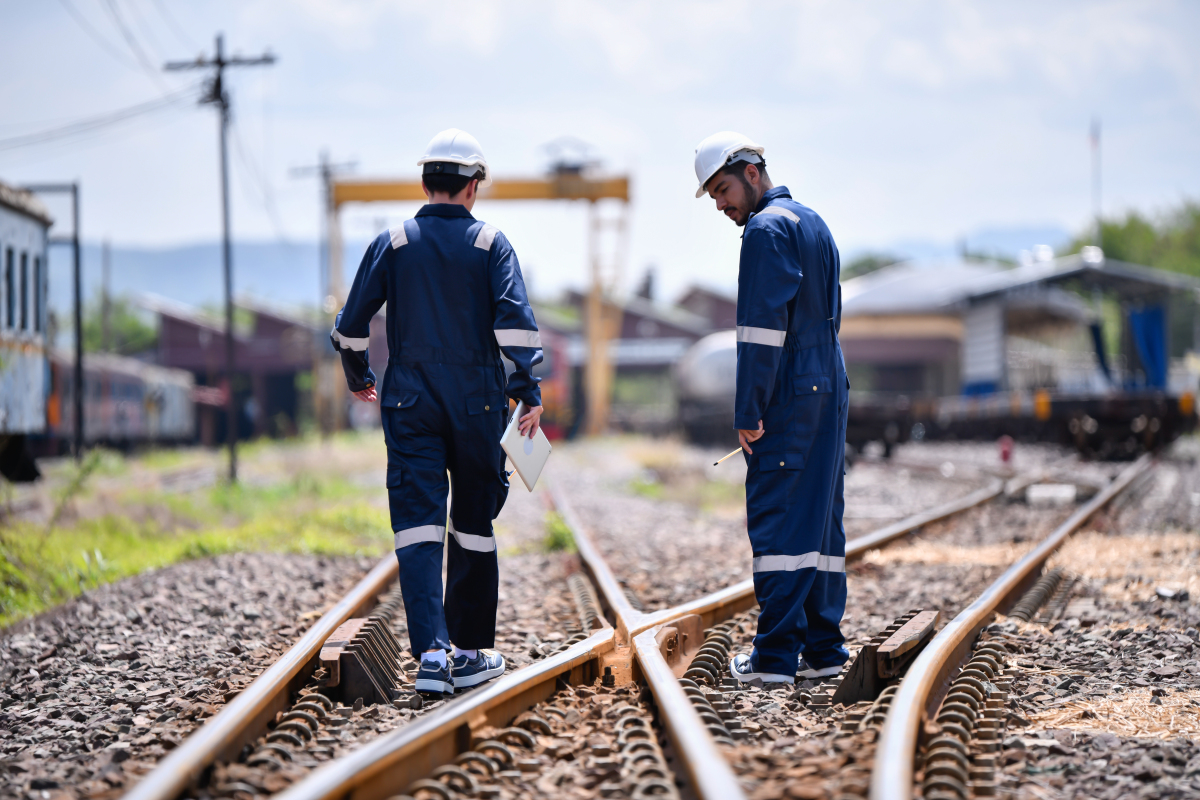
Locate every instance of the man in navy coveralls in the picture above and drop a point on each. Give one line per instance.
(790, 412)
(455, 302)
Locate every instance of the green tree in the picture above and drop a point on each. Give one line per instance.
(1171, 241)
(128, 332)
(867, 263)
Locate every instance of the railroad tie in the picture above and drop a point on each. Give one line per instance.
(361, 658)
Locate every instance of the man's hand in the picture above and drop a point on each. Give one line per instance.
(528, 424)
(746, 437)
(367, 395)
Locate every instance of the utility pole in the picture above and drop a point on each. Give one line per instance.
(324, 373)
(73, 240)
(1095, 142)
(217, 95)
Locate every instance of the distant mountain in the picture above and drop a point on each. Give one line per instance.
(287, 274)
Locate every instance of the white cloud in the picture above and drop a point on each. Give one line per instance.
(925, 119)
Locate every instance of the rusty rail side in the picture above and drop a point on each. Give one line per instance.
(923, 686)
(596, 566)
(223, 736)
(707, 769)
(384, 767)
(729, 601)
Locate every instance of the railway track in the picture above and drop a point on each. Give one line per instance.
(952, 663)
(626, 674)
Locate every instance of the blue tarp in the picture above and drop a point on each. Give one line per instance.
(1149, 329)
(978, 388)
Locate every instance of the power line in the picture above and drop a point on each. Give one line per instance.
(96, 35)
(89, 124)
(176, 29)
(261, 182)
(134, 45)
(142, 24)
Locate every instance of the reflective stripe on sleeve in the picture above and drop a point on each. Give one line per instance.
(760, 336)
(514, 337)
(780, 211)
(349, 343)
(424, 533)
(487, 235)
(469, 541)
(805, 561)
(399, 237)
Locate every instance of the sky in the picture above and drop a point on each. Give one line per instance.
(900, 123)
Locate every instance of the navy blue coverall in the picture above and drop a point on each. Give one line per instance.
(455, 301)
(791, 375)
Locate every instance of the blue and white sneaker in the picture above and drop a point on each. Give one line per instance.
(809, 672)
(743, 671)
(486, 665)
(434, 678)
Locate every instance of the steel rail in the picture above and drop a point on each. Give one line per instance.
(924, 685)
(223, 736)
(707, 770)
(384, 767)
(593, 562)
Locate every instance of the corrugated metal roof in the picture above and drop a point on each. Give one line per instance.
(920, 287)
(914, 287)
(24, 202)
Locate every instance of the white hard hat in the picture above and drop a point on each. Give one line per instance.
(453, 146)
(722, 149)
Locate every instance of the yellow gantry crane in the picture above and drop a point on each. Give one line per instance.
(602, 318)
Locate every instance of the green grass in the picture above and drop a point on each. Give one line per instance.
(652, 489)
(559, 538)
(42, 566)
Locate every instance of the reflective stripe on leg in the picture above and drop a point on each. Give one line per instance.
(470, 541)
(812, 560)
(422, 533)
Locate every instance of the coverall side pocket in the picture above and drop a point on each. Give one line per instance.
(400, 399)
(486, 403)
(776, 479)
(395, 476)
(813, 396)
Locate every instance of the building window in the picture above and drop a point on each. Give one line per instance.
(37, 294)
(24, 295)
(10, 297)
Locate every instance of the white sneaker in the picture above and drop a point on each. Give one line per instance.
(808, 672)
(742, 671)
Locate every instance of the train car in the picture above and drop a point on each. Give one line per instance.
(704, 381)
(24, 223)
(1116, 424)
(126, 403)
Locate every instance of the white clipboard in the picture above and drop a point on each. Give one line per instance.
(528, 454)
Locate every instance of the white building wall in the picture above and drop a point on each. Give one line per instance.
(24, 372)
(983, 345)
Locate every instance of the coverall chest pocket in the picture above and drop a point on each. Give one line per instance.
(812, 397)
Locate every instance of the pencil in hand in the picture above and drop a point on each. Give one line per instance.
(731, 455)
